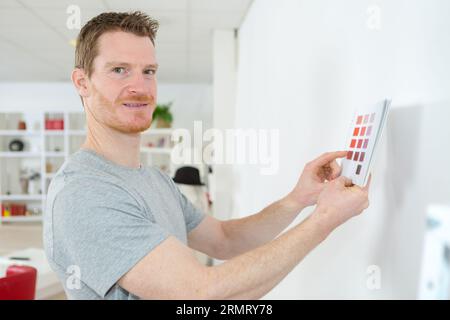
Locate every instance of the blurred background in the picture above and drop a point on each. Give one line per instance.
(298, 66)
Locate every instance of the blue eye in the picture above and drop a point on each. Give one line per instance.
(118, 70)
(150, 71)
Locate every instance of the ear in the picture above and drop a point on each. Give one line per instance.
(80, 80)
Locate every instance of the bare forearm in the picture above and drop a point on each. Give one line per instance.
(253, 231)
(253, 274)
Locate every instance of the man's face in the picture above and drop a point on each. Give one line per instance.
(122, 86)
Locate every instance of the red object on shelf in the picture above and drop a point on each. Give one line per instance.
(18, 209)
(5, 209)
(22, 125)
(19, 283)
(58, 124)
(54, 124)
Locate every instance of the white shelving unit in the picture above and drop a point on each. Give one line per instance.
(160, 153)
(46, 150)
(22, 219)
(19, 155)
(18, 133)
(21, 197)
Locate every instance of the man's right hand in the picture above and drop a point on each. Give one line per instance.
(339, 201)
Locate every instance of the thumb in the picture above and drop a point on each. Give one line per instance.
(344, 181)
(369, 180)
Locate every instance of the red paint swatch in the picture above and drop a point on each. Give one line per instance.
(349, 155)
(363, 131)
(361, 157)
(369, 130)
(360, 141)
(353, 143)
(356, 131)
(366, 143)
(359, 120)
(355, 158)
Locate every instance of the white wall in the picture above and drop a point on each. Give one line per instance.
(303, 66)
(224, 94)
(191, 101)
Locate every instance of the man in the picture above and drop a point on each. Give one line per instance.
(116, 230)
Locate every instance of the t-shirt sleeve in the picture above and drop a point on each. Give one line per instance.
(192, 215)
(103, 230)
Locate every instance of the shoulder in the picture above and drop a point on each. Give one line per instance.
(81, 192)
(85, 176)
(155, 171)
(161, 177)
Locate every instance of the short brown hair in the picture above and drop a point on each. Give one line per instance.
(135, 22)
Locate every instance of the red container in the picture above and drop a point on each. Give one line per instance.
(18, 209)
(54, 124)
(48, 124)
(58, 124)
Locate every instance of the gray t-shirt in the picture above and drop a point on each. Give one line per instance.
(102, 218)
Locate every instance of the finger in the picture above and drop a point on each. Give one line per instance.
(335, 170)
(344, 181)
(369, 180)
(328, 157)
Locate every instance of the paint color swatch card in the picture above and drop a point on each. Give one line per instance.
(365, 132)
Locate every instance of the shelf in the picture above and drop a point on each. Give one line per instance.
(77, 132)
(41, 154)
(19, 154)
(156, 150)
(36, 157)
(54, 154)
(19, 133)
(21, 197)
(54, 132)
(21, 219)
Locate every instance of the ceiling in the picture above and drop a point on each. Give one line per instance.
(35, 42)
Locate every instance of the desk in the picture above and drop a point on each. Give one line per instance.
(48, 284)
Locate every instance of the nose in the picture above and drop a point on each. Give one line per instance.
(138, 85)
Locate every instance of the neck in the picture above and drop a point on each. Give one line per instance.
(120, 148)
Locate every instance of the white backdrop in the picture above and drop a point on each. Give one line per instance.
(304, 65)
